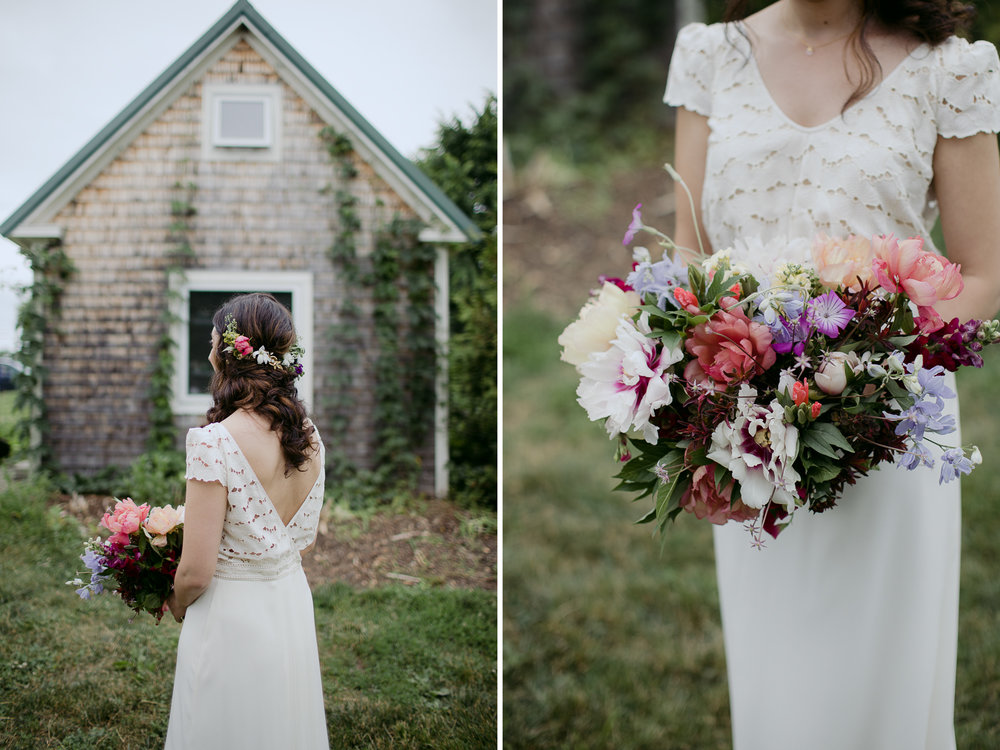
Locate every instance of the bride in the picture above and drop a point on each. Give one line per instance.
(248, 672)
(862, 117)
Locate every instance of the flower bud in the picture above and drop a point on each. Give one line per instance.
(832, 375)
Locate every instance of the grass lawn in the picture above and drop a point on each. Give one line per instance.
(402, 667)
(609, 642)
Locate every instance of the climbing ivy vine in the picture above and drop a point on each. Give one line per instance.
(398, 278)
(162, 433)
(39, 312)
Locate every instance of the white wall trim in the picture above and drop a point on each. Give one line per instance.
(299, 283)
(213, 93)
(441, 328)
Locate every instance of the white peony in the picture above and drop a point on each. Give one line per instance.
(626, 384)
(593, 331)
(758, 448)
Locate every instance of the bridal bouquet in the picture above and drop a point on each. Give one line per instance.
(139, 559)
(764, 379)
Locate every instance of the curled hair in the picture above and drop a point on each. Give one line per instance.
(930, 21)
(261, 388)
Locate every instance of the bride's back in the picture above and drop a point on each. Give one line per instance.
(261, 447)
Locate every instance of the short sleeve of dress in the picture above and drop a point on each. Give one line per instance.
(968, 89)
(689, 80)
(206, 461)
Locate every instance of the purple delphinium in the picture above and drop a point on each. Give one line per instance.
(634, 227)
(953, 463)
(659, 278)
(916, 455)
(829, 314)
(789, 335)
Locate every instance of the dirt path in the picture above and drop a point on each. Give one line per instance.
(442, 545)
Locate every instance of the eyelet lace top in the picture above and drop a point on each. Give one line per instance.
(867, 171)
(255, 544)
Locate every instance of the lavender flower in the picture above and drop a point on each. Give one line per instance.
(659, 278)
(916, 455)
(634, 227)
(953, 463)
(829, 314)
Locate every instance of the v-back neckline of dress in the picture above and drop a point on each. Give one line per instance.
(260, 484)
(826, 123)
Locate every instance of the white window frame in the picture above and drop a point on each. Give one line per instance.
(216, 147)
(298, 283)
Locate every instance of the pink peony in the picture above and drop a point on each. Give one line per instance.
(705, 500)
(161, 521)
(924, 277)
(729, 348)
(843, 262)
(125, 519)
(242, 346)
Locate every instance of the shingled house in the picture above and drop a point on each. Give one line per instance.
(225, 156)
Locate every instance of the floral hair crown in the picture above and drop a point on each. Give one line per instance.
(241, 348)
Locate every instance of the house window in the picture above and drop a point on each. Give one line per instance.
(241, 122)
(199, 294)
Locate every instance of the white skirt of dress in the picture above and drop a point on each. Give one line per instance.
(248, 671)
(842, 632)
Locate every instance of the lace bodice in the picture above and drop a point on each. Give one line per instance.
(255, 543)
(866, 172)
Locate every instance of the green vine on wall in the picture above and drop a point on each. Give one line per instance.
(406, 363)
(162, 432)
(51, 268)
(399, 278)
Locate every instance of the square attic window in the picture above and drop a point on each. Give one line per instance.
(242, 120)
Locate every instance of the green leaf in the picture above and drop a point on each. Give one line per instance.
(649, 516)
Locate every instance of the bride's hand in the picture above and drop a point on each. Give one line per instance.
(176, 610)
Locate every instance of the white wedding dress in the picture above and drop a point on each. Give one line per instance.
(841, 634)
(248, 671)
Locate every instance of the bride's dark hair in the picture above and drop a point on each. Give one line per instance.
(930, 21)
(261, 388)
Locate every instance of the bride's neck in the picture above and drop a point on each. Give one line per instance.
(820, 18)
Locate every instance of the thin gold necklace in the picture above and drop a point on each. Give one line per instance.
(811, 48)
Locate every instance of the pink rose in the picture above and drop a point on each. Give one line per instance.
(161, 521)
(923, 276)
(843, 262)
(729, 348)
(705, 500)
(242, 346)
(125, 519)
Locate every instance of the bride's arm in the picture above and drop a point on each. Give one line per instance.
(690, 151)
(204, 516)
(967, 184)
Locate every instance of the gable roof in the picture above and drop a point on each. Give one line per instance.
(446, 222)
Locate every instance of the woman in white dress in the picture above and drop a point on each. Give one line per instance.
(248, 671)
(844, 117)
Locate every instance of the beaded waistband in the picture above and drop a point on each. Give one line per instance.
(257, 570)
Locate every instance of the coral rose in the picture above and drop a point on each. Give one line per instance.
(595, 329)
(729, 348)
(924, 277)
(843, 262)
(705, 500)
(242, 346)
(125, 519)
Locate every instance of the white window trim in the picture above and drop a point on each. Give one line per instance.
(298, 283)
(214, 148)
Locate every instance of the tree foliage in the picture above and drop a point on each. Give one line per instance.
(464, 165)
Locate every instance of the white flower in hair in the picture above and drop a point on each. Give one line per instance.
(288, 360)
(263, 356)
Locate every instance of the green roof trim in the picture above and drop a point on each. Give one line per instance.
(244, 10)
